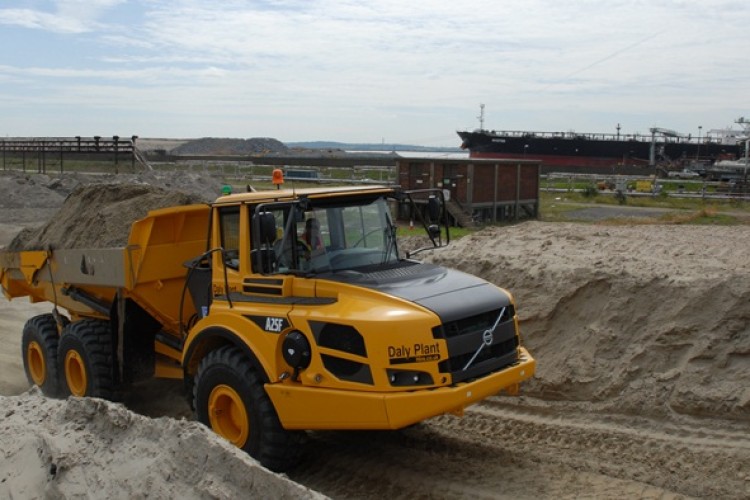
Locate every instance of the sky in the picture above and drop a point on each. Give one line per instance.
(377, 71)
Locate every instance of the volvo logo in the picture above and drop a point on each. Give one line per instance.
(488, 336)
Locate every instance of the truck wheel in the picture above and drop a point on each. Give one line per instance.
(229, 398)
(85, 359)
(39, 349)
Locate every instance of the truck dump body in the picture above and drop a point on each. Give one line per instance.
(149, 270)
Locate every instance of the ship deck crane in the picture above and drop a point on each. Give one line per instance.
(652, 151)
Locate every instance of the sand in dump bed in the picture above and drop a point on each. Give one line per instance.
(647, 319)
(91, 448)
(99, 216)
(91, 210)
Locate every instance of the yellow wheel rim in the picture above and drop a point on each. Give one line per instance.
(36, 363)
(75, 374)
(227, 415)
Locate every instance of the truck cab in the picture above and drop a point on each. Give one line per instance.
(342, 330)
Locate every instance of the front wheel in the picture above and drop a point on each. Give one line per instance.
(39, 348)
(229, 397)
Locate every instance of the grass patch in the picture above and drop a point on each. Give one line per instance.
(706, 216)
(701, 217)
(557, 207)
(556, 203)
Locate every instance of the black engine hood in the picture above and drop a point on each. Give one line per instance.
(448, 293)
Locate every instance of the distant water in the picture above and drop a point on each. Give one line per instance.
(423, 154)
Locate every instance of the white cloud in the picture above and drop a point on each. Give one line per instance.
(68, 16)
(27, 18)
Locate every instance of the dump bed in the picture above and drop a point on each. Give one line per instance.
(149, 270)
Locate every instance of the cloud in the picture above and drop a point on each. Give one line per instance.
(383, 68)
(67, 16)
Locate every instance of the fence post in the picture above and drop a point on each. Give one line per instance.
(116, 138)
(518, 191)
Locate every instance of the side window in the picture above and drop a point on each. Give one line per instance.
(229, 218)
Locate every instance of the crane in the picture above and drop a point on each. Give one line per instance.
(663, 131)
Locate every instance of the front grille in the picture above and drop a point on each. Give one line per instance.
(469, 354)
(471, 324)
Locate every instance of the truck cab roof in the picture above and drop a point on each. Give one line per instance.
(293, 194)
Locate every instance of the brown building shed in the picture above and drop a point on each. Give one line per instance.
(478, 190)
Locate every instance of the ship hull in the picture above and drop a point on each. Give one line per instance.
(567, 161)
(560, 151)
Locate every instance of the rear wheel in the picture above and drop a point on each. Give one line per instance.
(85, 359)
(229, 397)
(39, 347)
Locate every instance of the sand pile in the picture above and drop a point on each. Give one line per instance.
(218, 146)
(642, 319)
(27, 199)
(100, 216)
(93, 448)
(27, 190)
(32, 191)
(205, 187)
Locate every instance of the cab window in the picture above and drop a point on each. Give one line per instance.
(229, 220)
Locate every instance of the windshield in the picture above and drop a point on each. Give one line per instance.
(334, 237)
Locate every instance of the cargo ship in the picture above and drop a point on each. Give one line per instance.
(604, 151)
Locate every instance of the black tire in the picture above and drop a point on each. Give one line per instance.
(84, 357)
(39, 349)
(227, 385)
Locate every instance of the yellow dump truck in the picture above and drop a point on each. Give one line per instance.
(282, 311)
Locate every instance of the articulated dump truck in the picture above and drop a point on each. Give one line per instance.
(282, 311)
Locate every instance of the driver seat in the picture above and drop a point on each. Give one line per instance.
(312, 234)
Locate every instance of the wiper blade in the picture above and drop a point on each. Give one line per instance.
(390, 245)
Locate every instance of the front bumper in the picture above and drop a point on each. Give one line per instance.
(314, 408)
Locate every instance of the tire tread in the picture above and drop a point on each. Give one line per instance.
(277, 448)
(93, 339)
(44, 327)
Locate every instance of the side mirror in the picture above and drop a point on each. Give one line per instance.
(433, 217)
(434, 207)
(267, 227)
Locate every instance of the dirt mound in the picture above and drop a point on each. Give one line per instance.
(90, 447)
(30, 191)
(99, 216)
(637, 319)
(23, 190)
(214, 146)
(203, 187)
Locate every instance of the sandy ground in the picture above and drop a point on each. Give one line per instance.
(12, 318)
(90, 448)
(642, 335)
